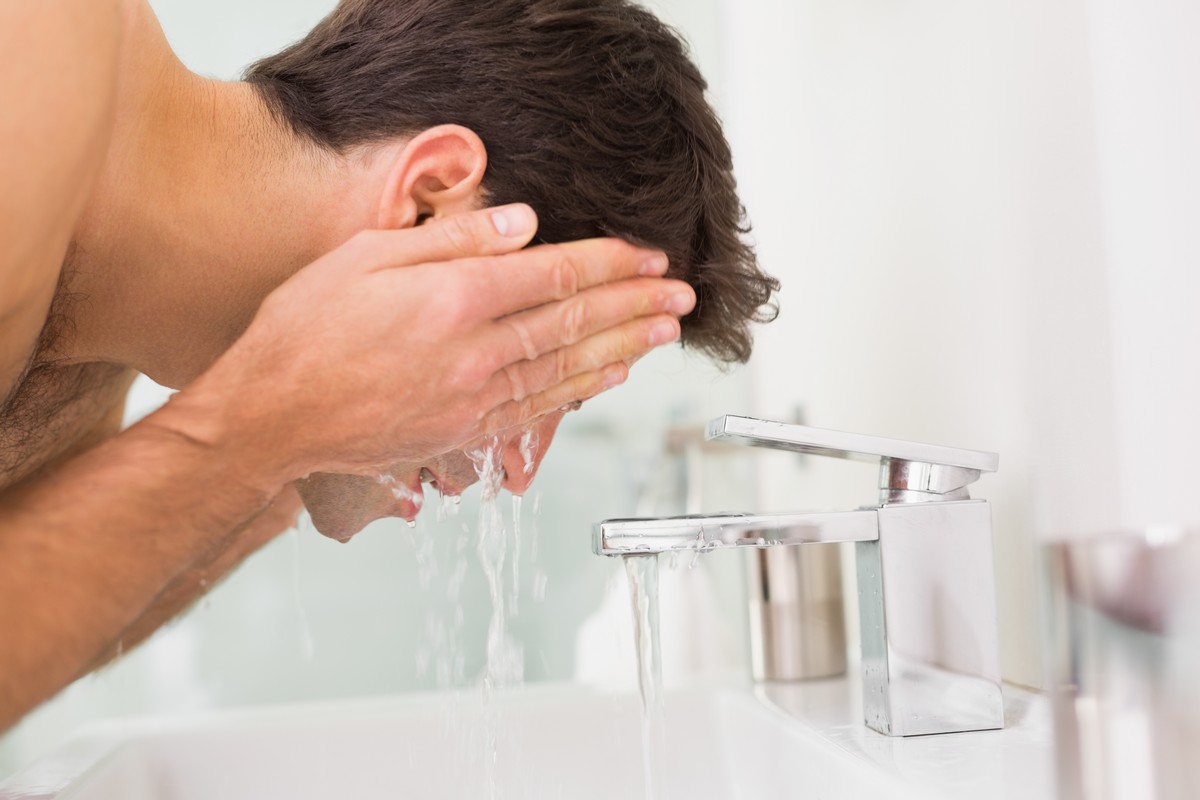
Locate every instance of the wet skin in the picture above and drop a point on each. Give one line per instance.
(341, 505)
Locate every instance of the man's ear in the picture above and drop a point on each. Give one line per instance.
(438, 172)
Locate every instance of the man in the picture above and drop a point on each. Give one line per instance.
(327, 259)
(591, 112)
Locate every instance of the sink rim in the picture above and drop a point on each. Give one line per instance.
(826, 722)
(94, 745)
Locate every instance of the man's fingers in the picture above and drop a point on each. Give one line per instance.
(523, 453)
(472, 234)
(518, 281)
(614, 346)
(530, 334)
(514, 413)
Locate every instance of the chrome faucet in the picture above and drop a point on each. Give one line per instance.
(927, 600)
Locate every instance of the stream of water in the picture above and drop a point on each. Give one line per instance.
(642, 571)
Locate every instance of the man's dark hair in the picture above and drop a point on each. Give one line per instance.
(591, 112)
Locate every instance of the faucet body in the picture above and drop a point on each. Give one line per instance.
(926, 586)
(927, 616)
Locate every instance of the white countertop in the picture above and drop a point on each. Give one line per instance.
(783, 741)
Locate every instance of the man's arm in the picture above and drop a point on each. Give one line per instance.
(205, 573)
(58, 68)
(84, 550)
(400, 345)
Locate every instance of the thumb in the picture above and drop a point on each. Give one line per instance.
(485, 232)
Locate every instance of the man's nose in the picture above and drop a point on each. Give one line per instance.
(523, 454)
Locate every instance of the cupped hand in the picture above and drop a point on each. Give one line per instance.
(402, 345)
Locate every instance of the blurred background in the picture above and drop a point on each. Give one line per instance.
(982, 214)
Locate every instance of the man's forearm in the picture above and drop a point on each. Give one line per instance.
(203, 574)
(86, 550)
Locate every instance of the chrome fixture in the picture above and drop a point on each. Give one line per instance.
(797, 613)
(927, 600)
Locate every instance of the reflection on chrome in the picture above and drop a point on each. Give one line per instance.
(927, 603)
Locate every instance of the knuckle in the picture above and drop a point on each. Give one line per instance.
(631, 340)
(597, 359)
(460, 235)
(564, 275)
(516, 383)
(576, 321)
(520, 333)
(562, 365)
(617, 255)
(588, 386)
(616, 250)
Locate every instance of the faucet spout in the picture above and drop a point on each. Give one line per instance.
(704, 532)
(926, 585)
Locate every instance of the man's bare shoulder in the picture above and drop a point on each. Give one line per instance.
(58, 76)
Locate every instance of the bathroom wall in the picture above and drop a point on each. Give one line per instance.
(884, 152)
(984, 217)
(1130, 463)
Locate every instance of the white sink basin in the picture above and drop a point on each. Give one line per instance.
(551, 742)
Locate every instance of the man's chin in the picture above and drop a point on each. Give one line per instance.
(340, 526)
(450, 474)
(342, 505)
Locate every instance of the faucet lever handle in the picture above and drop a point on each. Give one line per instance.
(836, 444)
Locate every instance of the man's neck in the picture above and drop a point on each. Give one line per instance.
(204, 206)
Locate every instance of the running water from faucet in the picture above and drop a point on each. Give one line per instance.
(642, 571)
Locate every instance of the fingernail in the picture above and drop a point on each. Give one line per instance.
(615, 377)
(515, 220)
(662, 333)
(655, 265)
(681, 303)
